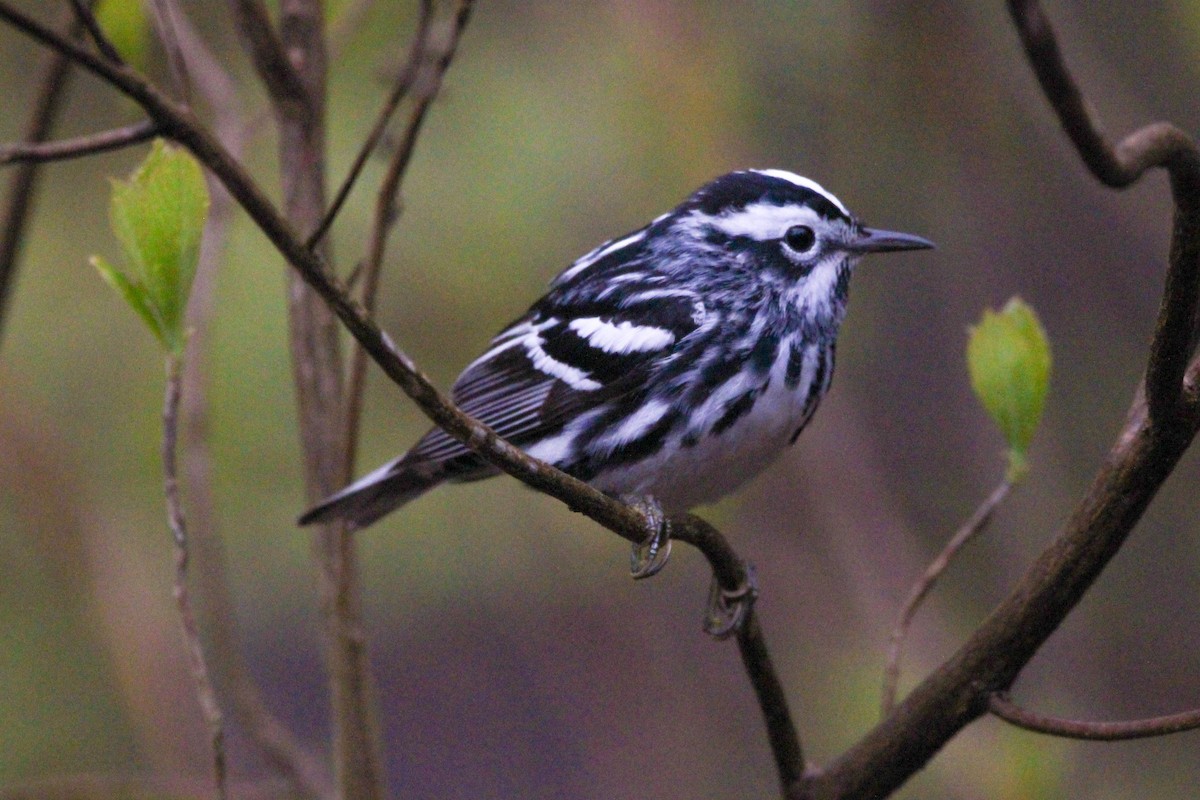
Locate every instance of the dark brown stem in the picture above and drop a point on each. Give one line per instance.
(920, 590)
(35, 152)
(187, 618)
(1003, 707)
(317, 367)
(163, 14)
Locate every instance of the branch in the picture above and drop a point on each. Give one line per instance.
(38, 152)
(632, 524)
(1003, 707)
(163, 13)
(1157, 145)
(969, 530)
(187, 617)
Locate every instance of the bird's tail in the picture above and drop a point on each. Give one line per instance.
(375, 494)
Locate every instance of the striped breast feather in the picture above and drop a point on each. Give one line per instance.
(561, 361)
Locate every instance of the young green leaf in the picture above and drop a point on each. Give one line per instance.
(158, 217)
(1008, 357)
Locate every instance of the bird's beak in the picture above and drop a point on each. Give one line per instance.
(873, 241)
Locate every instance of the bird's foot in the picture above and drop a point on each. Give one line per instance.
(728, 609)
(650, 556)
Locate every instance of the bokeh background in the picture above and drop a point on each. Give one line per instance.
(513, 655)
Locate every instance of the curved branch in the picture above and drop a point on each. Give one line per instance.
(386, 209)
(1002, 706)
(1157, 145)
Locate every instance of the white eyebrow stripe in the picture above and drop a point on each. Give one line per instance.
(623, 337)
(765, 221)
(800, 180)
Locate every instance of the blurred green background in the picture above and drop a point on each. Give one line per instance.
(514, 656)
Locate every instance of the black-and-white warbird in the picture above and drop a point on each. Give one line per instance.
(674, 362)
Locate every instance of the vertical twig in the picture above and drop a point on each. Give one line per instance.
(187, 619)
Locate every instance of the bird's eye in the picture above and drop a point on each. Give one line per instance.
(800, 238)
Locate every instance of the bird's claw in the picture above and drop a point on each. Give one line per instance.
(651, 555)
(728, 609)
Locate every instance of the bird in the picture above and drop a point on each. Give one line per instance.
(673, 363)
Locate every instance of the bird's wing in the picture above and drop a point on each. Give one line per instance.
(564, 358)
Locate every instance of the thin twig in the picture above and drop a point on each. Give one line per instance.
(83, 13)
(386, 209)
(187, 619)
(404, 82)
(969, 530)
(36, 152)
(1003, 707)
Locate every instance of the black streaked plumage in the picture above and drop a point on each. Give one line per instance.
(675, 361)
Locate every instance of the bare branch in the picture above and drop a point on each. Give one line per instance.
(920, 590)
(83, 13)
(1003, 707)
(404, 82)
(187, 618)
(40, 152)
(1158, 145)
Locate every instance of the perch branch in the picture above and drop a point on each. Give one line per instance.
(631, 524)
